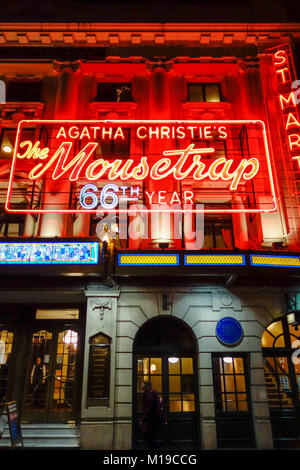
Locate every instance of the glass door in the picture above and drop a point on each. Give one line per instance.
(174, 380)
(282, 381)
(232, 401)
(50, 391)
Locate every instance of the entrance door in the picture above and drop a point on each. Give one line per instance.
(169, 362)
(50, 384)
(232, 401)
(174, 380)
(280, 343)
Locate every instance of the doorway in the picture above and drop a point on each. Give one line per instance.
(50, 383)
(41, 363)
(280, 342)
(165, 352)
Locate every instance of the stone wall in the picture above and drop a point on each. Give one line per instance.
(200, 308)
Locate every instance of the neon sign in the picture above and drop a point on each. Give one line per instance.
(288, 97)
(87, 166)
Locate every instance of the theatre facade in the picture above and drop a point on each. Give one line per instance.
(149, 198)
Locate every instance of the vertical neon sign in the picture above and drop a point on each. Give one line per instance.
(288, 97)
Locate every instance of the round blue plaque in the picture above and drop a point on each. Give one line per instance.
(229, 331)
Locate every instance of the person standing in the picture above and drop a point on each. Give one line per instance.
(152, 416)
(37, 378)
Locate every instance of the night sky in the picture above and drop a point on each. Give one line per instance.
(149, 11)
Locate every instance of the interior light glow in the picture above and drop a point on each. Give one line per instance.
(7, 148)
(70, 337)
(173, 360)
(228, 360)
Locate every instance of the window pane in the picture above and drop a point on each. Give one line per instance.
(242, 402)
(267, 340)
(294, 332)
(156, 383)
(212, 92)
(24, 91)
(174, 383)
(239, 365)
(279, 342)
(240, 383)
(229, 383)
(187, 365)
(275, 328)
(196, 92)
(113, 92)
(231, 402)
(143, 366)
(174, 367)
(228, 366)
(188, 402)
(155, 365)
(175, 403)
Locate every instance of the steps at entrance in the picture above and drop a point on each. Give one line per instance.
(45, 436)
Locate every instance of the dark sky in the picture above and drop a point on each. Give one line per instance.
(81, 11)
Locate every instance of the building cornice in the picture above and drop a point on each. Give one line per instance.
(135, 34)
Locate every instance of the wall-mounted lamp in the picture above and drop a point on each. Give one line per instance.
(173, 360)
(228, 360)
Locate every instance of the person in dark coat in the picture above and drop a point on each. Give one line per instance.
(37, 378)
(152, 416)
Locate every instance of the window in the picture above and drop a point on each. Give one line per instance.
(113, 92)
(230, 383)
(11, 225)
(8, 137)
(218, 145)
(119, 148)
(24, 91)
(218, 233)
(204, 92)
(99, 371)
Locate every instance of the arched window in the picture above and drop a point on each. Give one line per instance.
(280, 334)
(99, 370)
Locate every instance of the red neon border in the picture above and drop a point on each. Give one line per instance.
(134, 211)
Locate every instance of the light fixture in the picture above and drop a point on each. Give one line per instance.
(7, 148)
(105, 238)
(228, 360)
(153, 368)
(71, 337)
(173, 360)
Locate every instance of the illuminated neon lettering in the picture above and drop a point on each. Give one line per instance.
(188, 197)
(281, 56)
(282, 72)
(291, 121)
(33, 151)
(175, 199)
(64, 162)
(294, 140)
(290, 101)
(149, 196)
(61, 155)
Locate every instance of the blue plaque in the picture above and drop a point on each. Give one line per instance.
(229, 331)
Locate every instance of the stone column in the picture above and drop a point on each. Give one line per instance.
(239, 220)
(58, 192)
(207, 403)
(260, 406)
(97, 422)
(161, 225)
